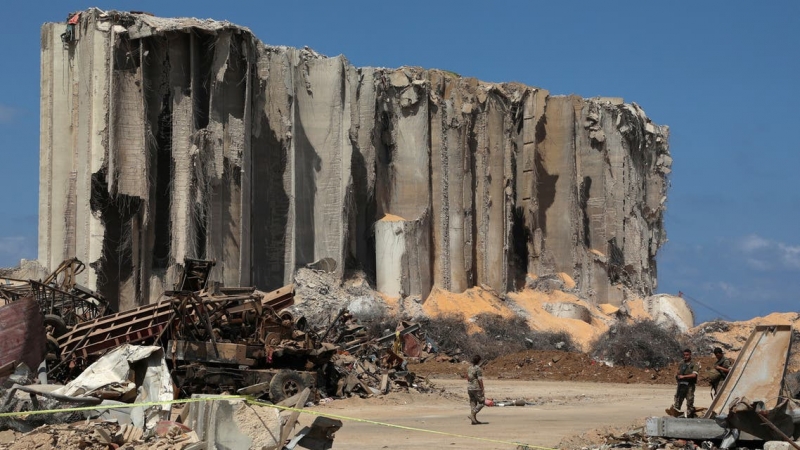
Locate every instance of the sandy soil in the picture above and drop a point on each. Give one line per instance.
(567, 413)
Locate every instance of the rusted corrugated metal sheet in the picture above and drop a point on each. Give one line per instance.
(146, 323)
(757, 373)
(22, 333)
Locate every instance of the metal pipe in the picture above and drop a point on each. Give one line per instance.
(777, 431)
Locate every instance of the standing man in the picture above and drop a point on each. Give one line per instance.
(475, 389)
(687, 380)
(723, 367)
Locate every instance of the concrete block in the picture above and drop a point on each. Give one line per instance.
(233, 423)
(569, 311)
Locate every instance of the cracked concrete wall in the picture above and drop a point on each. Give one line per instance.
(165, 139)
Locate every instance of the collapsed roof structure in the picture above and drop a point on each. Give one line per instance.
(167, 139)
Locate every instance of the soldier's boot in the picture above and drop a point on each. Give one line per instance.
(473, 418)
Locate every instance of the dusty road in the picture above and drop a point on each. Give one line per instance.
(562, 410)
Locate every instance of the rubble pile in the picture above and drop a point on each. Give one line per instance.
(100, 435)
(372, 366)
(627, 437)
(199, 339)
(63, 302)
(75, 436)
(319, 295)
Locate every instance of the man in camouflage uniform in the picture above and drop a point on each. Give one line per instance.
(722, 367)
(687, 380)
(475, 389)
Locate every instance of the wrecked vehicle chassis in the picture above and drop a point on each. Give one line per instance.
(277, 373)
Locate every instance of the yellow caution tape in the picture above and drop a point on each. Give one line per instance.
(123, 405)
(254, 401)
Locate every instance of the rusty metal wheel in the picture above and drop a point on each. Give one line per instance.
(285, 384)
(272, 339)
(57, 324)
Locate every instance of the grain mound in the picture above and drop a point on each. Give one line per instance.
(731, 336)
(468, 304)
(583, 333)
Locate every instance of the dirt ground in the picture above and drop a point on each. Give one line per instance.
(571, 402)
(558, 366)
(562, 415)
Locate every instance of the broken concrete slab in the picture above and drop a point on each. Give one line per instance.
(233, 423)
(569, 311)
(757, 373)
(668, 311)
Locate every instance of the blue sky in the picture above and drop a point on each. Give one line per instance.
(724, 75)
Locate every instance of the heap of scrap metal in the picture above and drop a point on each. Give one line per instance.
(139, 375)
(204, 339)
(63, 302)
(216, 338)
(367, 366)
(200, 339)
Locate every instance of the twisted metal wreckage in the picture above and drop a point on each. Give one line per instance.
(753, 403)
(213, 339)
(754, 407)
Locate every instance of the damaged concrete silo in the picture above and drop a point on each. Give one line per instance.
(164, 139)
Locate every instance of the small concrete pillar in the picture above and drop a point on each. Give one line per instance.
(390, 246)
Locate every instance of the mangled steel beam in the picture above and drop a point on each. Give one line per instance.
(758, 371)
(752, 418)
(682, 428)
(195, 274)
(147, 323)
(384, 340)
(280, 298)
(695, 429)
(136, 326)
(222, 353)
(61, 299)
